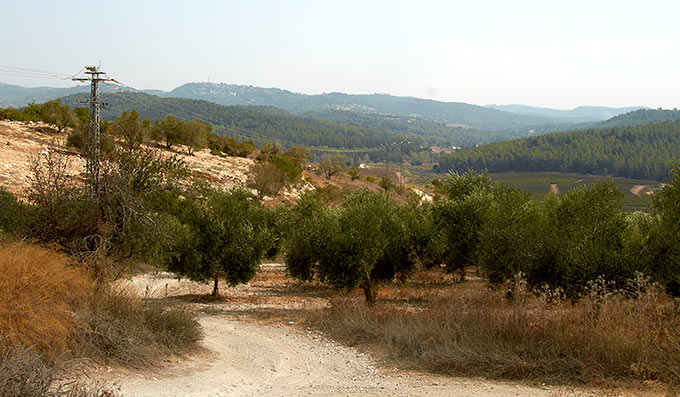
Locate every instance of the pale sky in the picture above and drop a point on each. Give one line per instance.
(547, 53)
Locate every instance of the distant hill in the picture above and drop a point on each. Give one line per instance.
(641, 151)
(639, 117)
(432, 132)
(258, 123)
(581, 114)
(456, 113)
(510, 121)
(334, 128)
(17, 96)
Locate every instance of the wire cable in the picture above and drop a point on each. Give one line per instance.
(35, 71)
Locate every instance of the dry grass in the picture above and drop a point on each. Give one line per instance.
(23, 373)
(121, 328)
(472, 331)
(38, 291)
(50, 312)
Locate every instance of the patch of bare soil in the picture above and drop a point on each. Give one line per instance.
(253, 346)
(637, 189)
(19, 142)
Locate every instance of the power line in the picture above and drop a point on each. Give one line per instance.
(20, 69)
(14, 74)
(93, 141)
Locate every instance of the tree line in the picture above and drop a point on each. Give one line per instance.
(641, 151)
(147, 211)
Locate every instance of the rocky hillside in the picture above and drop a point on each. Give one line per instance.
(20, 142)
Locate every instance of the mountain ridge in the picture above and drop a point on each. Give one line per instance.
(580, 114)
(454, 113)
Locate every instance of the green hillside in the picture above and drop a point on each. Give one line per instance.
(432, 132)
(639, 117)
(643, 151)
(464, 114)
(261, 124)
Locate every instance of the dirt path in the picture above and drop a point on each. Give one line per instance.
(637, 189)
(249, 358)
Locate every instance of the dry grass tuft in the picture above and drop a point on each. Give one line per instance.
(38, 291)
(23, 373)
(122, 328)
(476, 332)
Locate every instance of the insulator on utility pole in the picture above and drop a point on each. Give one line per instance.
(93, 138)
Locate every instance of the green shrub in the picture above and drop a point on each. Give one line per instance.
(663, 253)
(287, 165)
(12, 114)
(14, 215)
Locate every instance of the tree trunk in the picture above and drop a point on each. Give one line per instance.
(215, 292)
(368, 292)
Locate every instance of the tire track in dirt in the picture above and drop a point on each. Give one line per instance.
(251, 359)
(246, 358)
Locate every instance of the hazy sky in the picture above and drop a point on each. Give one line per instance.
(543, 53)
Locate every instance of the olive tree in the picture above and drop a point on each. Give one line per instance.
(266, 179)
(461, 215)
(130, 129)
(194, 134)
(221, 235)
(359, 245)
(663, 255)
(61, 116)
(306, 237)
(167, 131)
(331, 166)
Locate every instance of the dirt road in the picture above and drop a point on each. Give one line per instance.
(249, 358)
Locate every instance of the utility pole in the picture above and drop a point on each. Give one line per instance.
(401, 165)
(93, 139)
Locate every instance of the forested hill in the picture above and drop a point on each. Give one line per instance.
(643, 151)
(432, 132)
(472, 116)
(638, 117)
(581, 114)
(262, 124)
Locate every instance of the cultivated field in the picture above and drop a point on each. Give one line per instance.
(637, 192)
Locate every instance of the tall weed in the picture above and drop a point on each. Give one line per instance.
(607, 335)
